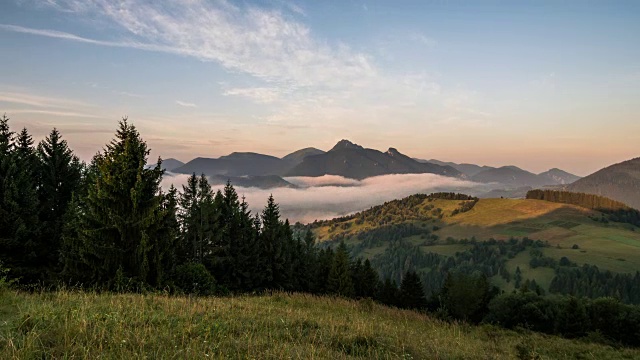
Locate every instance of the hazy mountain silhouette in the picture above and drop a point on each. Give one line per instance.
(297, 157)
(556, 176)
(353, 161)
(467, 169)
(619, 182)
(511, 176)
(235, 164)
(170, 164)
(262, 181)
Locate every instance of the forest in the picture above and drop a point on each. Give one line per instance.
(108, 226)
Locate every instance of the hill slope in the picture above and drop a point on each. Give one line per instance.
(85, 325)
(406, 231)
(619, 182)
(353, 161)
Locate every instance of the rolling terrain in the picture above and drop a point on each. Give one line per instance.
(449, 227)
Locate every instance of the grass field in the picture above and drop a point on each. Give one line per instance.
(66, 325)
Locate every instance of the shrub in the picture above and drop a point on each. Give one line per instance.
(194, 278)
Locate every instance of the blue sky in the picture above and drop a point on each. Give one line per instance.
(534, 84)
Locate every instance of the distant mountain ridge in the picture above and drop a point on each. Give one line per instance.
(235, 164)
(170, 164)
(620, 182)
(510, 175)
(467, 169)
(354, 161)
(297, 157)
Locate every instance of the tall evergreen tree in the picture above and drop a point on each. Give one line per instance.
(370, 280)
(411, 292)
(388, 293)
(123, 228)
(59, 177)
(18, 206)
(339, 281)
(197, 217)
(271, 241)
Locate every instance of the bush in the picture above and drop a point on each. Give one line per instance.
(5, 282)
(194, 278)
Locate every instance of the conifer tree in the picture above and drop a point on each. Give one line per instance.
(388, 293)
(18, 206)
(370, 280)
(339, 281)
(271, 241)
(248, 270)
(411, 292)
(59, 177)
(323, 268)
(123, 226)
(197, 217)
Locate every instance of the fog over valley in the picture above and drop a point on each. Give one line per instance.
(330, 196)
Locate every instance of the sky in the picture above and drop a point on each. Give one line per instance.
(536, 84)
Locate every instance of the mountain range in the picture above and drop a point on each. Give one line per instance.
(619, 181)
(344, 159)
(511, 176)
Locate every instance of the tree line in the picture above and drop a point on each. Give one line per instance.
(616, 210)
(108, 225)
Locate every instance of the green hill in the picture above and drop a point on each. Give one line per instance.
(559, 233)
(87, 325)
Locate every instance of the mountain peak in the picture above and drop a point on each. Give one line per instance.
(393, 151)
(345, 144)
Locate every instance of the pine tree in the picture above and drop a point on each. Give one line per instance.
(197, 217)
(325, 260)
(271, 241)
(124, 233)
(388, 293)
(411, 292)
(339, 281)
(59, 177)
(247, 260)
(18, 206)
(370, 280)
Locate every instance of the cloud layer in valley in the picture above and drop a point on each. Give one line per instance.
(330, 196)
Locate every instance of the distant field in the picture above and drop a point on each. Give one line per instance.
(610, 246)
(65, 325)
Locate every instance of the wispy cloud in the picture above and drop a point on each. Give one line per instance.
(24, 98)
(259, 94)
(295, 75)
(185, 104)
(54, 113)
(257, 41)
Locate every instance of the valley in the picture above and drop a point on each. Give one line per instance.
(579, 235)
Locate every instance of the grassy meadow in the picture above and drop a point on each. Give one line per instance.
(68, 325)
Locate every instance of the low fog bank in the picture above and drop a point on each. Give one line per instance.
(329, 196)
